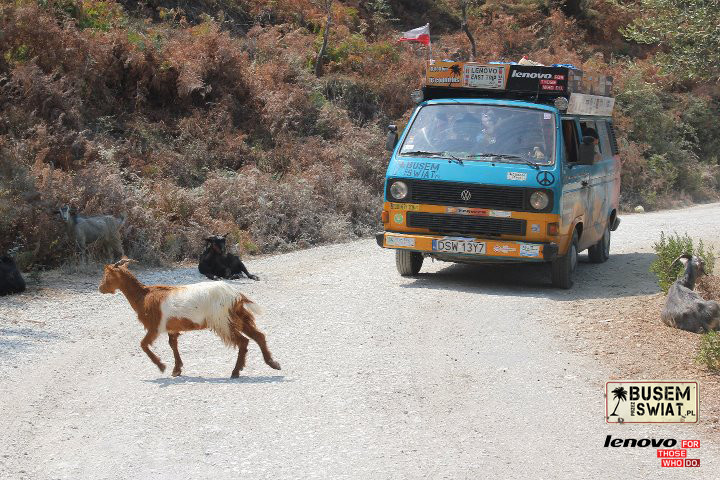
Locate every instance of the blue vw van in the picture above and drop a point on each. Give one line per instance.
(504, 163)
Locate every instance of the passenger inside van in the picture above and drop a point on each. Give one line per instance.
(591, 132)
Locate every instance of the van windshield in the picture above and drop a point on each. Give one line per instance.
(482, 132)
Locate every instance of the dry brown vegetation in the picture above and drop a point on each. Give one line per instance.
(199, 117)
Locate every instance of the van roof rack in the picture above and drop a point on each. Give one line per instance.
(586, 94)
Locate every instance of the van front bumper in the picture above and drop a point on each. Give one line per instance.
(494, 249)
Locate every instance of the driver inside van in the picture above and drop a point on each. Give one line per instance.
(463, 132)
(470, 132)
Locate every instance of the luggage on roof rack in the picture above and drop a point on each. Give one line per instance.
(587, 94)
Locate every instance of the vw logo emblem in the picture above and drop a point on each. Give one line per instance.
(545, 178)
(465, 195)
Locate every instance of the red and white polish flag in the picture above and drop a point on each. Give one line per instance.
(420, 35)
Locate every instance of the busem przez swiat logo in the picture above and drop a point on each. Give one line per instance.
(651, 402)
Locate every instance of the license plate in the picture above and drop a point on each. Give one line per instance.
(483, 76)
(459, 246)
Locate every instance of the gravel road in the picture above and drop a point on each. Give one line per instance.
(455, 374)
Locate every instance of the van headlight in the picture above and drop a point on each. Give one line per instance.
(539, 200)
(398, 190)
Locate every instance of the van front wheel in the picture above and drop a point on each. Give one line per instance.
(408, 263)
(564, 267)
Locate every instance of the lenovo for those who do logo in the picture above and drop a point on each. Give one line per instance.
(651, 402)
(527, 78)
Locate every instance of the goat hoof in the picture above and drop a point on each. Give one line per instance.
(161, 366)
(176, 372)
(254, 277)
(235, 375)
(274, 364)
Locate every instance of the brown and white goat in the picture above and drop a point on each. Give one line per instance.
(217, 306)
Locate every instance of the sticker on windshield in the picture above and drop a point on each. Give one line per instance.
(547, 116)
(408, 147)
(517, 176)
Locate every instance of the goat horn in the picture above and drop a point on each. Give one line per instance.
(686, 256)
(123, 261)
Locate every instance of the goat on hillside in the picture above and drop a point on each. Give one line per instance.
(10, 279)
(684, 308)
(217, 306)
(216, 263)
(85, 230)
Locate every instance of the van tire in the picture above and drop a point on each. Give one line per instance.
(600, 252)
(564, 267)
(408, 263)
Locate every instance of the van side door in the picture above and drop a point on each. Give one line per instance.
(601, 176)
(577, 194)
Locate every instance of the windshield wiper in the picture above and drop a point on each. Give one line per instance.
(508, 157)
(453, 158)
(421, 153)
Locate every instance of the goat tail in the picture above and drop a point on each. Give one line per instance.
(251, 306)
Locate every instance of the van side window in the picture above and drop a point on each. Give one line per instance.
(571, 140)
(605, 145)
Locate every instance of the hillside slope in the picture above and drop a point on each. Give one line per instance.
(199, 117)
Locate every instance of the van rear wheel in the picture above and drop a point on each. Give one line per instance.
(564, 267)
(600, 252)
(408, 263)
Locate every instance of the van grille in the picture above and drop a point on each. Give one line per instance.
(443, 223)
(445, 193)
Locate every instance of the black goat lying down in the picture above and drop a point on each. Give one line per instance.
(10, 279)
(216, 263)
(684, 308)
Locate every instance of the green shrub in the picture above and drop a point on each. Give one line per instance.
(701, 115)
(709, 354)
(668, 248)
(101, 15)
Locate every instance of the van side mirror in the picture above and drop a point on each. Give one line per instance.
(586, 153)
(392, 138)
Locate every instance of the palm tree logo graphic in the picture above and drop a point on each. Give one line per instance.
(620, 394)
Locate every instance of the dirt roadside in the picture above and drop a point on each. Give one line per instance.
(626, 335)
